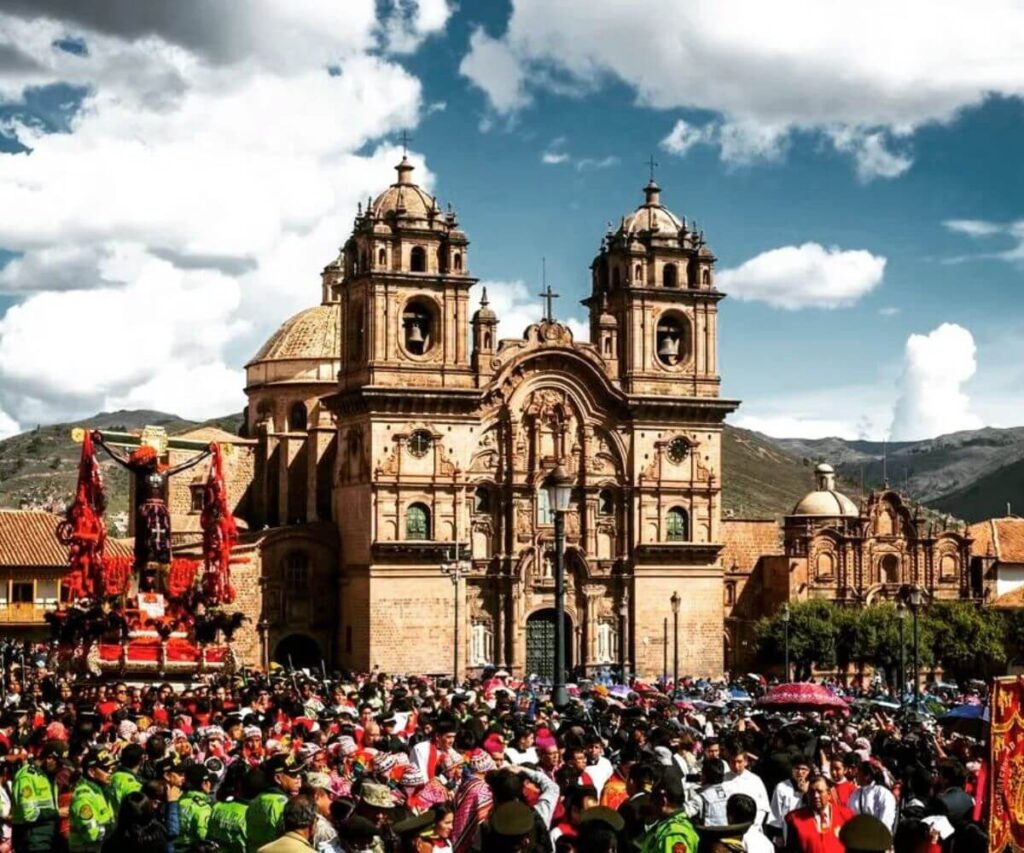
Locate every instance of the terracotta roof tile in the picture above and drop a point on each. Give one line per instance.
(1011, 599)
(28, 538)
(1002, 538)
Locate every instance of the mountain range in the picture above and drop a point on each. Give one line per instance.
(969, 475)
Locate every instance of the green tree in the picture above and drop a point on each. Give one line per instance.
(811, 638)
(965, 640)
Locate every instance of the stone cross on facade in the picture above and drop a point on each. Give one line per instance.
(548, 295)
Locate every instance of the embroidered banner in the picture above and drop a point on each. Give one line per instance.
(1006, 824)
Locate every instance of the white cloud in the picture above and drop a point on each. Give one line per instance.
(932, 400)
(556, 155)
(554, 158)
(411, 21)
(975, 227)
(889, 311)
(852, 412)
(209, 175)
(684, 136)
(979, 228)
(768, 69)
(590, 164)
(517, 306)
(805, 276)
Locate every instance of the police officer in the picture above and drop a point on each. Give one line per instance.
(227, 820)
(92, 818)
(126, 777)
(34, 809)
(195, 806)
(263, 816)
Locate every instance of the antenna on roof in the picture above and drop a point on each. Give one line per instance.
(885, 465)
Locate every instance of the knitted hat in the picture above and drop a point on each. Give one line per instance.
(481, 762)
(413, 776)
(347, 746)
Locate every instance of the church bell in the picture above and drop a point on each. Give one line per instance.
(415, 333)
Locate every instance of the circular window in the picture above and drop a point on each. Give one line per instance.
(678, 450)
(419, 443)
(418, 326)
(673, 340)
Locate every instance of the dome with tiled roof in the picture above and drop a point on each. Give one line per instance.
(651, 217)
(313, 334)
(825, 501)
(404, 198)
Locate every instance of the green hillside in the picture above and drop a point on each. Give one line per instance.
(988, 496)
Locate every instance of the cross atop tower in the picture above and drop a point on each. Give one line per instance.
(652, 165)
(405, 139)
(547, 295)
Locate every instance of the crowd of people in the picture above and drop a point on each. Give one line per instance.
(296, 760)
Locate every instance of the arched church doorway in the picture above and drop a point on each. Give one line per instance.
(300, 651)
(540, 643)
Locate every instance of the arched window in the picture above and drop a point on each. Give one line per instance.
(544, 513)
(706, 278)
(457, 262)
(418, 322)
(382, 258)
(638, 274)
(605, 502)
(482, 499)
(297, 418)
(197, 496)
(730, 593)
(889, 569)
(670, 276)
(826, 567)
(417, 522)
(677, 525)
(442, 259)
(418, 259)
(296, 572)
(672, 345)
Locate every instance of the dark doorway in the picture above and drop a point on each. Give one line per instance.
(300, 651)
(540, 643)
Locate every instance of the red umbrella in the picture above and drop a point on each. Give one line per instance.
(802, 696)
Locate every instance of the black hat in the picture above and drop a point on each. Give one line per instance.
(358, 830)
(414, 825)
(512, 819)
(196, 775)
(867, 833)
(171, 763)
(288, 764)
(102, 758)
(602, 814)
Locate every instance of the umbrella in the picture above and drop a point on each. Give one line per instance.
(737, 695)
(803, 696)
(970, 720)
(620, 691)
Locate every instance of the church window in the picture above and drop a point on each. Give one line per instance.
(826, 566)
(678, 525)
(670, 276)
(607, 642)
(482, 645)
(482, 499)
(197, 497)
(442, 259)
(418, 259)
(457, 262)
(678, 450)
(605, 502)
(638, 274)
(355, 333)
(417, 522)
(419, 443)
(297, 418)
(382, 258)
(672, 343)
(296, 572)
(544, 513)
(730, 593)
(418, 322)
(889, 569)
(706, 278)
(948, 565)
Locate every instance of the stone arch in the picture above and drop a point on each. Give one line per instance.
(298, 417)
(889, 569)
(670, 276)
(418, 259)
(298, 650)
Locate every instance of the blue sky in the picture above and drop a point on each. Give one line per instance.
(869, 232)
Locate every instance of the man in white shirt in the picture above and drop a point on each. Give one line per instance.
(599, 769)
(873, 798)
(740, 809)
(429, 755)
(740, 780)
(789, 794)
(522, 750)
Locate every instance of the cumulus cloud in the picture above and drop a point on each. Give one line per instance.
(517, 306)
(684, 136)
(853, 412)
(767, 69)
(211, 171)
(932, 400)
(805, 276)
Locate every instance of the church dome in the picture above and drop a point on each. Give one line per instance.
(825, 501)
(651, 217)
(404, 198)
(313, 334)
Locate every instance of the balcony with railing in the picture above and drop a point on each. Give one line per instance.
(12, 613)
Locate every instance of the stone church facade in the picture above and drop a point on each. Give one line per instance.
(394, 432)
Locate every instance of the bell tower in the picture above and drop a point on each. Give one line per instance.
(404, 293)
(653, 289)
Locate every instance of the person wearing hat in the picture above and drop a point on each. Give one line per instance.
(865, 834)
(510, 828)
(377, 805)
(34, 806)
(414, 833)
(673, 832)
(317, 786)
(263, 815)
(226, 827)
(91, 817)
(359, 835)
(126, 777)
(599, 830)
(195, 806)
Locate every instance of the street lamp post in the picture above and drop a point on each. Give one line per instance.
(785, 625)
(623, 621)
(455, 567)
(675, 601)
(901, 617)
(916, 600)
(664, 652)
(558, 485)
(263, 627)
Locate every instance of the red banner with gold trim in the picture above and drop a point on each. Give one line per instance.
(1006, 824)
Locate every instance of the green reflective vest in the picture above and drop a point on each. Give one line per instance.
(194, 808)
(122, 783)
(263, 819)
(674, 834)
(227, 826)
(33, 810)
(91, 818)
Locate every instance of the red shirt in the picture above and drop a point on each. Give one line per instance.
(843, 790)
(806, 834)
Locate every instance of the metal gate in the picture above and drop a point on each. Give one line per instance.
(540, 644)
